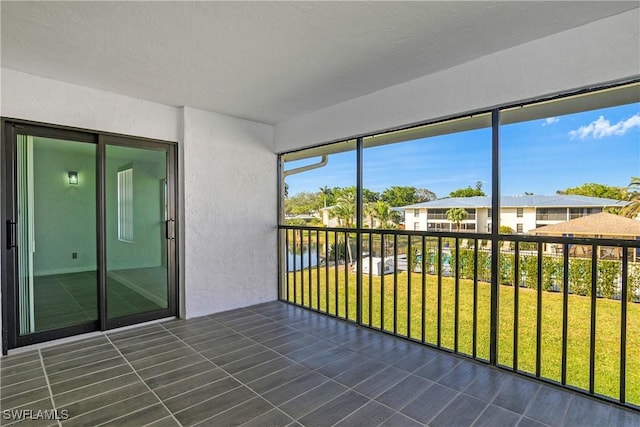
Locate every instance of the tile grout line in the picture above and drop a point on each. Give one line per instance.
(76, 357)
(96, 383)
(110, 422)
(46, 378)
(348, 388)
(171, 361)
(230, 375)
(88, 316)
(87, 374)
(566, 411)
(143, 382)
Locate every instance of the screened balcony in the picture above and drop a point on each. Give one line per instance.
(276, 364)
(566, 319)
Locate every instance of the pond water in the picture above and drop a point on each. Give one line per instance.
(301, 259)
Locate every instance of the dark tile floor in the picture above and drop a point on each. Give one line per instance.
(71, 298)
(276, 365)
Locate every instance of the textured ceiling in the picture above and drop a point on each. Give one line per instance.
(269, 61)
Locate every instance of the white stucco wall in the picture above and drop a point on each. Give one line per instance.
(600, 52)
(230, 212)
(29, 97)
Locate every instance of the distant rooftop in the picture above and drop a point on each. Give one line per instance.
(601, 224)
(556, 200)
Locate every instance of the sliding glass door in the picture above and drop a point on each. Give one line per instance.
(56, 233)
(138, 230)
(89, 242)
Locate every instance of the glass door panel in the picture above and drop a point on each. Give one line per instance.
(136, 214)
(56, 233)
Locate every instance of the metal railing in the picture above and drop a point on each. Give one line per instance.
(567, 309)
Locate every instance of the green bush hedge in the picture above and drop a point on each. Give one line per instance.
(607, 282)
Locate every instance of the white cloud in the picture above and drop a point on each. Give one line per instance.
(601, 128)
(550, 121)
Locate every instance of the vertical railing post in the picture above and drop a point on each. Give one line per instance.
(474, 351)
(439, 312)
(456, 297)
(370, 278)
(516, 302)
(318, 285)
(285, 277)
(539, 313)
(382, 291)
(423, 268)
(624, 294)
(395, 283)
(359, 210)
(495, 230)
(592, 333)
(565, 315)
(409, 286)
(326, 271)
(283, 273)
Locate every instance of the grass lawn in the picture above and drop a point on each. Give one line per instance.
(383, 293)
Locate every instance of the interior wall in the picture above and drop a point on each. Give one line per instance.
(603, 51)
(148, 222)
(64, 214)
(230, 212)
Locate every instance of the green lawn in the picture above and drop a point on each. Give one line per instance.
(608, 314)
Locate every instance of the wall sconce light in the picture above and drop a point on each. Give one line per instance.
(73, 177)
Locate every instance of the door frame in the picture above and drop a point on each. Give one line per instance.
(170, 231)
(10, 127)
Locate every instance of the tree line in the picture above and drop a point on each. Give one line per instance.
(379, 205)
(305, 203)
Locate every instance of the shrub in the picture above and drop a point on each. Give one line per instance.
(608, 275)
(580, 276)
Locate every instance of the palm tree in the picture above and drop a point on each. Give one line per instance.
(345, 209)
(457, 215)
(632, 209)
(385, 214)
(369, 210)
(325, 191)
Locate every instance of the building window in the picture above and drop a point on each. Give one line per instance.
(416, 212)
(437, 214)
(519, 228)
(125, 204)
(551, 214)
(416, 226)
(580, 212)
(519, 212)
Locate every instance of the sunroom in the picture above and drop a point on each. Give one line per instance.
(165, 167)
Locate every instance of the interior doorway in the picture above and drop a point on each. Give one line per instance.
(90, 233)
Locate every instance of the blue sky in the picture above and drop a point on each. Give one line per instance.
(539, 156)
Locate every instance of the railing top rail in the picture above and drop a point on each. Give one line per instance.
(624, 243)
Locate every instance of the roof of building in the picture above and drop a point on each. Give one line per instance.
(556, 200)
(601, 224)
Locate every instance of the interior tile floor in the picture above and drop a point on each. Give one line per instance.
(72, 298)
(276, 365)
